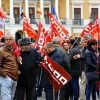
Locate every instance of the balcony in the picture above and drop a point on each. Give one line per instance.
(63, 21)
(47, 21)
(77, 22)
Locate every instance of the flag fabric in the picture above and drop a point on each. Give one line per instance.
(1, 34)
(86, 30)
(3, 13)
(40, 38)
(95, 29)
(57, 28)
(55, 73)
(2, 23)
(38, 10)
(44, 36)
(29, 29)
(54, 12)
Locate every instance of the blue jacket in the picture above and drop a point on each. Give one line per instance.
(58, 58)
(91, 61)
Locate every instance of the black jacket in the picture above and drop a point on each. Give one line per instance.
(75, 64)
(29, 68)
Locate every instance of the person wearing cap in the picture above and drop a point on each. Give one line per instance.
(29, 70)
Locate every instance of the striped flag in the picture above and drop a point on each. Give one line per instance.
(38, 10)
(54, 12)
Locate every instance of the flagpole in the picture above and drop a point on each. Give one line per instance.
(53, 94)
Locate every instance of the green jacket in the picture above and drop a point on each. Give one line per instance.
(66, 65)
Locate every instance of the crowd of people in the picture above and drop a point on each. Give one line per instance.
(26, 80)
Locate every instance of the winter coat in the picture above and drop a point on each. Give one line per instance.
(29, 68)
(75, 63)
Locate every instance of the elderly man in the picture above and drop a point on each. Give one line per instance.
(8, 69)
(29, 70)
(58, 58)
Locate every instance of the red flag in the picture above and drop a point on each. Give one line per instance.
(56, 74)
(16, 49)
(57, 27)
(1, 34)
(86, 30)
(99, 33)
(3, 13)
(29, 29)
(95, 29)
(41, 38)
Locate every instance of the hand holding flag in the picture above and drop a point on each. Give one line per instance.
(16, 52)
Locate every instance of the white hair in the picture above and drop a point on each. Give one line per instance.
(56, 40)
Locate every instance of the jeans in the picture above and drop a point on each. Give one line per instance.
(25, 89)
(83, 86)
(49, 94)
(91, 89)
(75, 86)
(8, 87)
(65, 92)
(99, 94)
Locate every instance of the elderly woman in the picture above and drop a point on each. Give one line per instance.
(91, 65)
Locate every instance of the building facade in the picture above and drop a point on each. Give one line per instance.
(73, 14)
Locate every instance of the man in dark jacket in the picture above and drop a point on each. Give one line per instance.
(74, 56)
(58, 58)
(29, 70)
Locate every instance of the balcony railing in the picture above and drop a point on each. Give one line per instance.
(63, 21)
(77, 21)
(47, 21)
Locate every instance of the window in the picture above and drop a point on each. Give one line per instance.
(31, 14)
(77, 16)
(94, 12)
(77, 13)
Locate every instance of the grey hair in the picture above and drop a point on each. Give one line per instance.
(88, 36)
(56, 40)
(8, 34)
(48, 44)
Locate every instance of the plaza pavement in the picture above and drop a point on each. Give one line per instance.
(43, 96)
